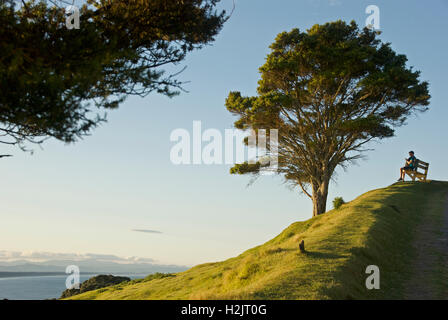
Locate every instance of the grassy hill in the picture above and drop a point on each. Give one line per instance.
(382, 227)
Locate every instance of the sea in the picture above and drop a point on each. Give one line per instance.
(40, 285)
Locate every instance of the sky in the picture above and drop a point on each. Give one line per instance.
(105, 194)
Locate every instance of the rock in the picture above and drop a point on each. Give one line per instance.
(69, 292)
(94, 283)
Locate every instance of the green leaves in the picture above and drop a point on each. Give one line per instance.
(245, 167)
(370, 126)
(55, 81)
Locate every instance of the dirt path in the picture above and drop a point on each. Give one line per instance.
(430, 269)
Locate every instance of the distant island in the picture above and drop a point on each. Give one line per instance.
(57, 267)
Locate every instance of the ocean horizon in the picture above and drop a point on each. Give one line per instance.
(42, 285)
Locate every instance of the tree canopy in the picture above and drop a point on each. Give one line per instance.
(329, 91)
(57, 82)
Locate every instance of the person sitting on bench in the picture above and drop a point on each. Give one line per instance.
(410, 165)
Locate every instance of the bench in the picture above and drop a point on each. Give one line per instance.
(413, 174)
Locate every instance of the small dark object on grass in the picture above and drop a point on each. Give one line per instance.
(302, 246)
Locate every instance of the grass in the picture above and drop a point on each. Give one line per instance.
(378, 228)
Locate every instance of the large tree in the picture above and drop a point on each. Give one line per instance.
(58, 82)
(329, 91)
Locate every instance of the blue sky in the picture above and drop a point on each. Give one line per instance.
(89, 196)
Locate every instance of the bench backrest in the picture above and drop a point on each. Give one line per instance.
(422, 165)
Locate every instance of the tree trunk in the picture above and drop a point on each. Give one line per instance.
(320, 193)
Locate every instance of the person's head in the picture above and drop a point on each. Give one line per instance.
(411, 153)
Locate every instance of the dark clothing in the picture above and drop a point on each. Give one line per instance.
(408, 168)
(412, 164)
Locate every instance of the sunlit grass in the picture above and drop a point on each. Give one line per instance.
(376, 228)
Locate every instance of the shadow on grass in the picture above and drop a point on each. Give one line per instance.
(321, 255)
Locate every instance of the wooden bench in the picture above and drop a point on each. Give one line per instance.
(413, 174)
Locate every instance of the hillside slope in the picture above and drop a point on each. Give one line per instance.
(381, 227)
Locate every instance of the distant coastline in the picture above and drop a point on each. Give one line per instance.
(12, 274)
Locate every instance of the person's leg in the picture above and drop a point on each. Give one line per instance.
(401, 174)
(404, 170)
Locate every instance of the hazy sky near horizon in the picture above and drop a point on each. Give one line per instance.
(117, 192)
